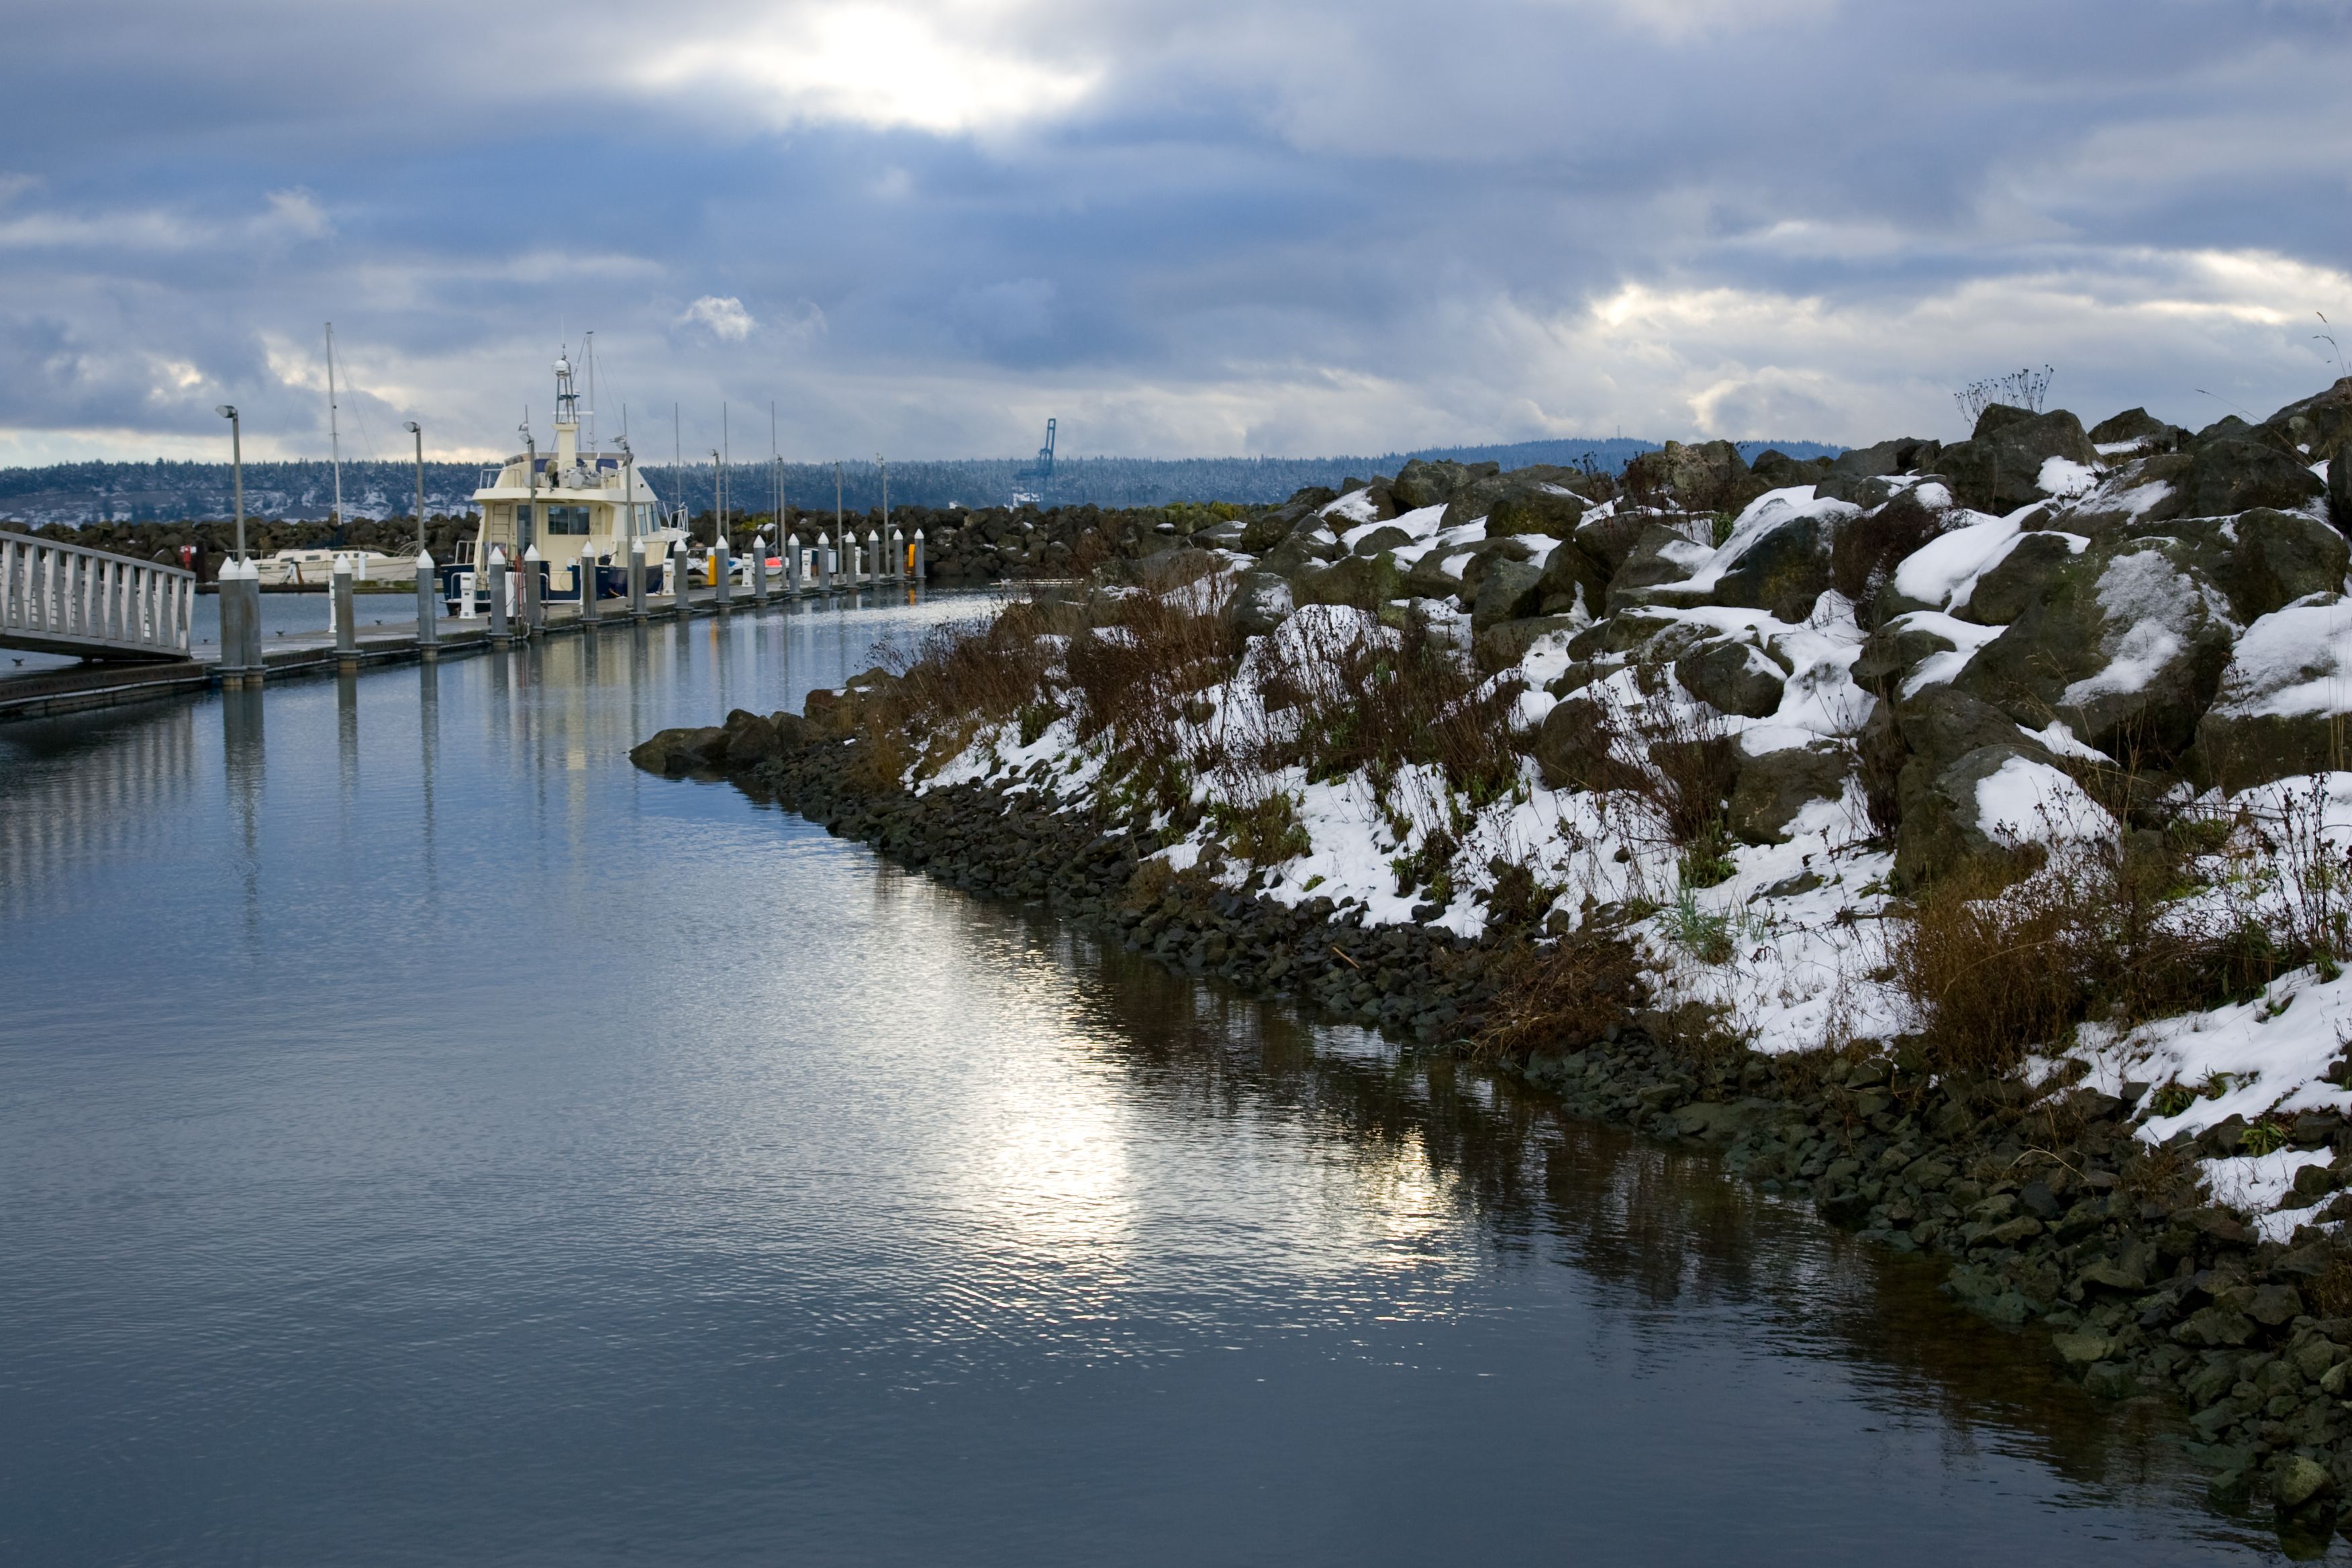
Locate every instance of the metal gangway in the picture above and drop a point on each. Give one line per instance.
(64, 598)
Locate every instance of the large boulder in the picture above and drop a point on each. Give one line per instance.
(1896, 648)
(2138, 427)
(1662, 555)
(1422, 482)
(2317, 425)
(1979, 808)
(1536, 508)
(1734, 677)
(2233, 473)
(1366, 581)
(1610, 539)
(1300, 553)
(1262, 601)
(1429, 579)
(674, 753)
(1484, 554)
(1572, 745)
(1380, 540)
(1781, 471)
(2281, 711)
(1867, 549)
(1904, 454)
(1507, 591)
(1573, 581)
(1775, 788)
(1505, 643)
(2263, 560)
(1784, 569)
(2014, 584)
(1707, 477)
(1939, 724)
(2000, 467)
(2127, 648)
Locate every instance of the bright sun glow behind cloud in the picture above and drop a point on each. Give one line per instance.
(878, 66)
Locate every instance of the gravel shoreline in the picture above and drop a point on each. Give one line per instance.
(2055, 1219)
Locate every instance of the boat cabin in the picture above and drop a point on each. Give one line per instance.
(563, 500)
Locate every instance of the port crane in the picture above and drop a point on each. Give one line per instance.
(1031, 485)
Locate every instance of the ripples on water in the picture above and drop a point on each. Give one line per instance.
(425, 1140)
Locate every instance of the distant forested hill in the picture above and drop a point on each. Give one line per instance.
(89, 492)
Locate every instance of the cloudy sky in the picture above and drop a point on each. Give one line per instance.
(1182, 226)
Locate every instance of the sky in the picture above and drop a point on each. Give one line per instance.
(1183, 227)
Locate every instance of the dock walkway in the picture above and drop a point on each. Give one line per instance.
(43, 694)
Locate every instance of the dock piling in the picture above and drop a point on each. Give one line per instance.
(588, 584)
(428, 631)
(501, 632)
(347, 631)
(534, 596)
(638, 580)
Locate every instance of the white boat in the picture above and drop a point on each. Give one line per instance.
(567, 503)
(316, 568)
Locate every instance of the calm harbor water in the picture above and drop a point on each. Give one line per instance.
(426, 1139)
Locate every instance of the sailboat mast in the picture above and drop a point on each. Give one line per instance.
(334, 433)
(588, 343)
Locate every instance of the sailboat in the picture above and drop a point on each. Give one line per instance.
(315, 567)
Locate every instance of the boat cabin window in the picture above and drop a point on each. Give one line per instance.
(567, 519)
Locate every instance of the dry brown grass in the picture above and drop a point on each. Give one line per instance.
(1339, 696)
(964, 672)
(1135, 673)
(1562, 997)
(1998, 963)
(1676, 756)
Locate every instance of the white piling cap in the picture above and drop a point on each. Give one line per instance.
(588, 549)
(498, 554)
(871, 536)
(531, 553)
(342, 565)
(919, 533)
(637, 547)
(425, 561)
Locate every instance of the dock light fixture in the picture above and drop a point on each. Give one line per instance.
(418, 431)
(237, 467)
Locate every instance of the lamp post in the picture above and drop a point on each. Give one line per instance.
(527, 530)
(628, 481)
(236, 466)
(418, 431)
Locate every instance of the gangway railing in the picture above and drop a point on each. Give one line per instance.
(69, 599)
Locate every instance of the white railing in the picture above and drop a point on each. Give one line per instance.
(64, 598)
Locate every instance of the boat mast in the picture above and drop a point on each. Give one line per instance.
(334, 434)
(588, 349)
